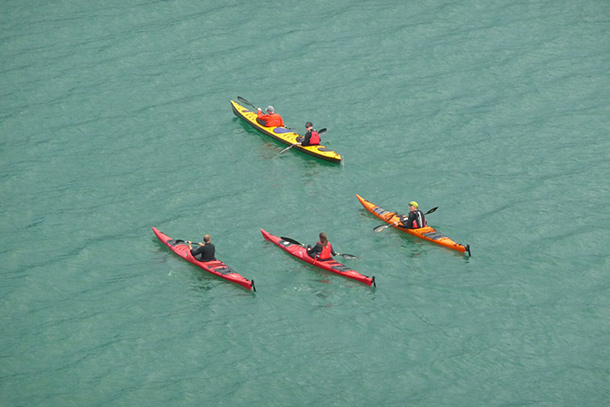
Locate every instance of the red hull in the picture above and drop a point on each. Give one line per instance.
(333, 266)
(217, 267)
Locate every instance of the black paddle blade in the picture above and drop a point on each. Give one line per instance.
(349, 256)
(432, 210)
(291, 240)
(245, 102)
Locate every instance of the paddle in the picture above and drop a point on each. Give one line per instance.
(322, 131)
(387, 225)
(245, 102)
(344, 255)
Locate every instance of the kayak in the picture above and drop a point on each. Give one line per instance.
(299, 251)
(216, 267)
(284, 135)
(427, 233)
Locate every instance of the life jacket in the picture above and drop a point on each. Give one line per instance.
(419, 221)
(326, 252)
(315, 138)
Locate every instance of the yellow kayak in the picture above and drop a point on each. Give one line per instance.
(284, 135)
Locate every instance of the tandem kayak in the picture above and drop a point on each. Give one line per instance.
(284, 135)
(427, 233)
(216, 267)
(299, 251)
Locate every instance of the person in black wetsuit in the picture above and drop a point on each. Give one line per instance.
(415, 219)
(205, 251)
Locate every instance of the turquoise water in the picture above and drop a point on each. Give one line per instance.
(115, 117)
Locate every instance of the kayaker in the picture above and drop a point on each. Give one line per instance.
(312, 138)
(415, 219)
(323, 250)
(205, 251)
(271, 119)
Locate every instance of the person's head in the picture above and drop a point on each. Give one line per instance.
(308, 126)
(413, 206)
(207, 239)
(270, 109)
(323, 238)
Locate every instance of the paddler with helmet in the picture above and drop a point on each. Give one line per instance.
(415, 219)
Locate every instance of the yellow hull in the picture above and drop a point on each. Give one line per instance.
(284, 135)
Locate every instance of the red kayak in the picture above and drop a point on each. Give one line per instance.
(299, 251)
(216, 267)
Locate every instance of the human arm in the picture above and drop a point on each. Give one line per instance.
(195, 251)
(406, 221)
(305, 141)
(315, 250)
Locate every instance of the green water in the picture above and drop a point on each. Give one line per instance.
(115, 117)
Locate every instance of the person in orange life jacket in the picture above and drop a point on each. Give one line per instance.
(312, 138)
(415, 219)
(271, 119)
(323, 250)
(205, 251)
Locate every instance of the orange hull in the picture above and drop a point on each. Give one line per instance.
(427, 233)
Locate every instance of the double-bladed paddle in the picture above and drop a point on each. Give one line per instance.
(344, 255)
(387, 225)
(322, 131)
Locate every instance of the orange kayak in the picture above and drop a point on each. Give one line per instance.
(427, 233)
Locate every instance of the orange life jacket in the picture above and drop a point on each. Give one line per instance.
(326, 252)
